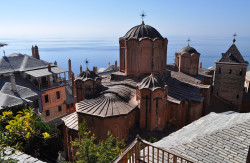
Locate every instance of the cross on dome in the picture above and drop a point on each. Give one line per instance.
(142, 16)
(234, 37)
(188, 40)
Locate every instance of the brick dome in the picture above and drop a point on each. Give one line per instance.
(142, 31)
(188, 49)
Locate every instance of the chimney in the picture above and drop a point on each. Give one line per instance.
(33, 51)
(70, 72)
(80, 69)
(95, 69)
(108, 64)
(200, 64)
(36, 52)
(55, 63)
(13, 82)
(115, 65)
(49, 68)
(73, 84)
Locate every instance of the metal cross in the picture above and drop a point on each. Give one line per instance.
(234, 37)
(143, 15)
(188, 40)
(86, 62)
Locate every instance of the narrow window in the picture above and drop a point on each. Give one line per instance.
(59, 108)
(230, 71)
(46, 98)
(156, 113)
(237, 96)
(68, 106)
(58, 95)
(47, 113)
(72, 105)
(146, 120)
(219, 70)
(241, 71)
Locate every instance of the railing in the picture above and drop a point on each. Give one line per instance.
(140, 151)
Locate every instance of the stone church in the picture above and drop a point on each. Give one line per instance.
(146, 92)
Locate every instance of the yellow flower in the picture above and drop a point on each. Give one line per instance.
(46, 135)
(28, 135)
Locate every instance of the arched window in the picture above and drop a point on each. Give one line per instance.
(219, 70)
(230, 71)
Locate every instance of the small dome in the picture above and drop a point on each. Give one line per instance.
(142, 31)
(188, 49)
(152, 82)
(87, 74)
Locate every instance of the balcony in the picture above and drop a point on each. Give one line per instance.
(141, 151)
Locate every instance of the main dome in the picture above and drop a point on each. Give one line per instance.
(142, 31)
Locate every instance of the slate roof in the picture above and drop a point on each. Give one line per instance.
(182, 86)
(233, 55)
(21, 157)
(45, 71)
(1, 45)
(25, 90)
(116, 100)
(71, 121)
(20, 62)
(152, 82)
(142, 31)
(223, 137)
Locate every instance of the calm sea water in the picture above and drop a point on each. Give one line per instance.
(100, 52)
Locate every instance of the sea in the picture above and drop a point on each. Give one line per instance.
(100, 52)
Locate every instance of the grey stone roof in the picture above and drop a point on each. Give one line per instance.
(20, 62)
(142, 31)
(71, 121)
(233, 55)
(188, 49)
(152, 82)
(223, 137)
(45, 72)
(25, 90)
(21, 157)
(1, 45)
(116, 100)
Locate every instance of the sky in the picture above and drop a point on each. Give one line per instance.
(113, 18)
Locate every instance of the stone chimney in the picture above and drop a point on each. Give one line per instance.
(80, 69)
(55, 63)
(200, 64)
(13, 82)
(70, 71)
(35, 52)
(49, 68)
(108, 64)
(95, 69)
(115, 65)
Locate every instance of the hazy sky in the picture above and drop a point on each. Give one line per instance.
(113, 18)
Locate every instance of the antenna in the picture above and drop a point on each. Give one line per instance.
(87, 63)
(234, 37)
(188, 40)
(142, 16)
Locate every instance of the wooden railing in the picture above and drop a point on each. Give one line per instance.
(141, 151)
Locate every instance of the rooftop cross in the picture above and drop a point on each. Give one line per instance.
(188, 40)
(87, 63)
(234, 37)
(142, 16)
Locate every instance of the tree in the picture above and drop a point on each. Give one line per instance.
(90, 152)
(17, 131)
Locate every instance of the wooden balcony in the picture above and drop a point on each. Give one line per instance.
(141, 151)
